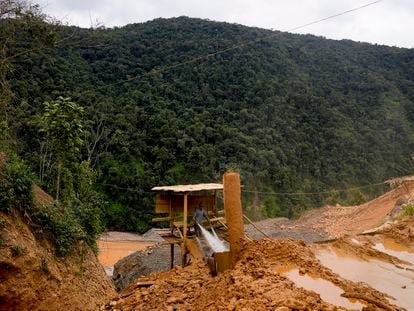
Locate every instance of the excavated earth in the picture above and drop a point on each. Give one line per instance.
(350, 268)
(330, 222)
(33, 278)
(259, 281)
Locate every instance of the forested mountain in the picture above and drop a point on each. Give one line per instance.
(292, 113)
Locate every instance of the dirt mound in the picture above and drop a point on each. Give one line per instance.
(40, 197)
(336, 221)
(256, 283)
(400, 231)
(33, 278)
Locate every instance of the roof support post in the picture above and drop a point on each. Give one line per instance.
(184, 246)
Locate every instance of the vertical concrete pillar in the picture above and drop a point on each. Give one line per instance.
(233, 213)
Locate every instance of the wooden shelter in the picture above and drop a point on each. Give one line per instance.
(177, 204)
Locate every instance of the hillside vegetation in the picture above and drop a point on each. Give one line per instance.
(292, 113)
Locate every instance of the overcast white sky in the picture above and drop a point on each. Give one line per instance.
(390, 22)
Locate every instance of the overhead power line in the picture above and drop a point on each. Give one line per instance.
(265, 192)
(315, 193)
(233, 47)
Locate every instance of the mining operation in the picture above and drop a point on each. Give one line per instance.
(206, 155)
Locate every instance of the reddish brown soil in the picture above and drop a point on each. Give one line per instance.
(254, 284)
(41, 197)
(401, 231)
(337, 221)
(33, 278)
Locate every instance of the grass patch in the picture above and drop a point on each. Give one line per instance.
(16, 250)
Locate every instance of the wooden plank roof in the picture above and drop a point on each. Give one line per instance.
(189, 188)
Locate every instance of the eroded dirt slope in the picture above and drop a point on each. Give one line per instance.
(336, 221)
(33, 278)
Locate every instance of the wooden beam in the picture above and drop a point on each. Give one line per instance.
(183, 246)
(172, 255)
(254, 226)
(160, 219)
(185, 216)
(171, 216)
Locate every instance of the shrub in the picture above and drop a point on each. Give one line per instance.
(64, 227)
(409, 210)
(67, 232)
(16, 186)
(76, 218)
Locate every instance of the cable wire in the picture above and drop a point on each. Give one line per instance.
(236, 46)
(314, 193)
(265, 192)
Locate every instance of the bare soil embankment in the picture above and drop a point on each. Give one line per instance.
(335, 221)
(33, 278)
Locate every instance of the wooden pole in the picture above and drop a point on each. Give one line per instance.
(251, 222)
(171, 216)
(183, 246)
(215, 203)
(172, 255)
(234, 215)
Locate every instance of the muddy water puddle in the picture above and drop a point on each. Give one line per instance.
(327, 290)
(392, 248)
(380, 275)
(112, 251)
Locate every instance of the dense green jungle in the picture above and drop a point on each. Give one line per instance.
(300, 117)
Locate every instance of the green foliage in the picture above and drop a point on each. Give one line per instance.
(61, 125)
(408, 210)
(67, 232)
(291, 113)
(15, 185)
(23, 29)
(63, 227)
(270, 207)
(80, 221)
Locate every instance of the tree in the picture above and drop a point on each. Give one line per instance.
(23, 29)
(61, 124)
